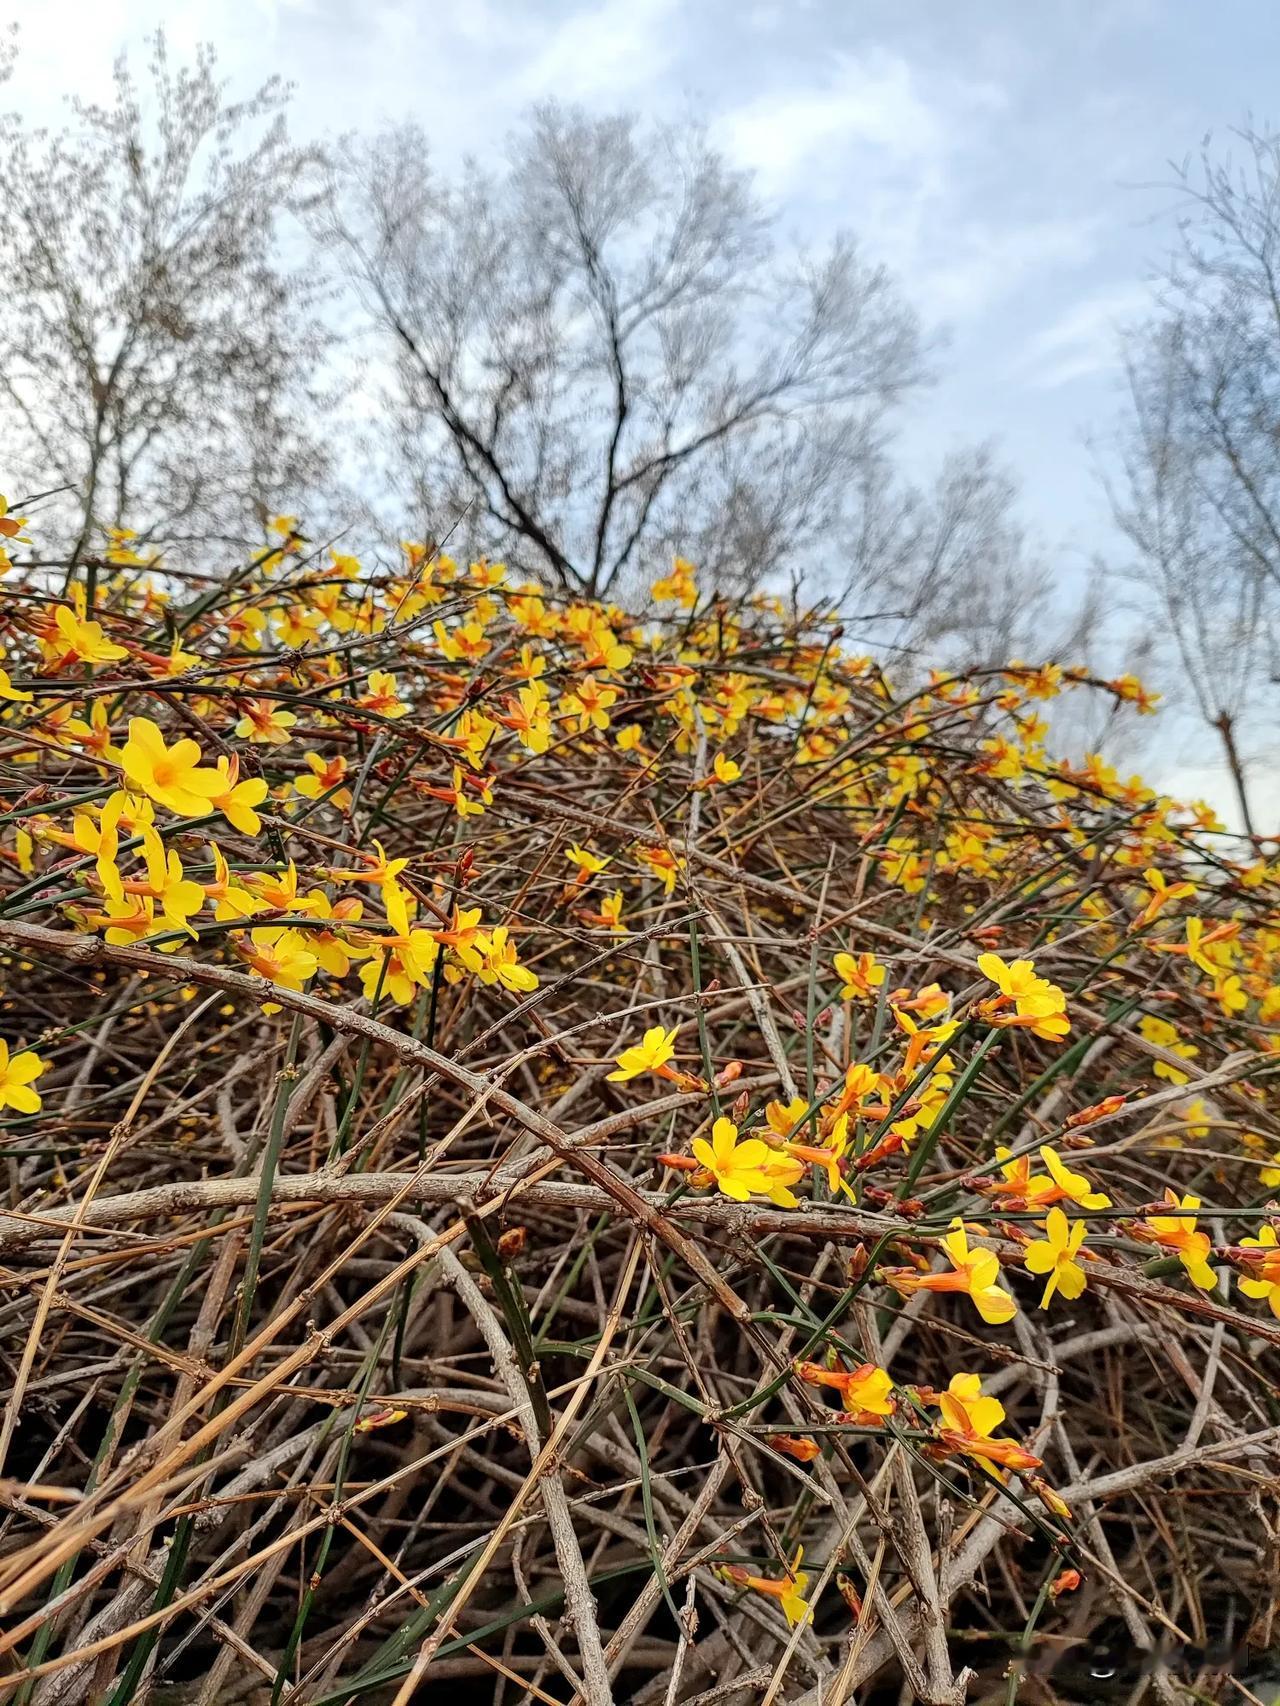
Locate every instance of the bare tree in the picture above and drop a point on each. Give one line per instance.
(601, 354)
(154, 354)
(1199, 496)
(947, 573)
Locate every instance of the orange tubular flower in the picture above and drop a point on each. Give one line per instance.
(865, 1391)
(1177, 1233)
(860, 1082)
(973, 1271)
(1162, 894)
(788, 1590)
(803, 1450)
(828, 1157)
(1038, 1005)
(968, 1421)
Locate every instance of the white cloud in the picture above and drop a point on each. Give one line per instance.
(1084, 339)
(599, 54)
(871, 103)
(984, 265)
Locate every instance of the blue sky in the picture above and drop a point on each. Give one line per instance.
(1009, 158)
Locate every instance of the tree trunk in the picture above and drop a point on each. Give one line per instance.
(1225, 725)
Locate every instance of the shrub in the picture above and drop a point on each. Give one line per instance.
(607, 1155)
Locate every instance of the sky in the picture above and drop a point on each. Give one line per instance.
(1009, 159)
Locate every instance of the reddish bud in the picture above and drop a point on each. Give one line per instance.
(512, 1242)
(848, 1593)
(378, 1419)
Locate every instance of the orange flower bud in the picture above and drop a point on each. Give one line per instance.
(1005, 1452)
(803, 1450)
(1108, 1105)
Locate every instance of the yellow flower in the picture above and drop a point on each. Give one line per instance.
(678, 587)
(468, 642)
(651, 1055)
(333, 952)
(865, 1391)
(400, 965)
(1163, 1035)
(529, 716)
(966, 1410)
(609, 916)
(169, 774)
(383, 696)
(1177, 1232)
(297, 625)
(465, 937)
(238, 799)
(1039, 1006)
(16, 1075)
(827, 1156)
(178, 897)
(737, 1168)
(781, 1172)
(75, 639)
(861, 976)
(1229, 993)
(974, 1272)
(324, 775)
(666, 866)
(281, 956)
(9, 691)
(501, 965)
(589, 864)
(725, 769)
(782, 1118)
(1263, 1277)
(588, 707)
(11, 526)
(788, 1590)
(968, 1422)
(1195, 949)
(1055, 1255)
(1162, 894)
(1071, 1185)
(95, 735)
(266, 723)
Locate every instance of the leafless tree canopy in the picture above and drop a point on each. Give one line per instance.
(595, 358)
(1199, 495)
(605, 354)
(154, 354)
